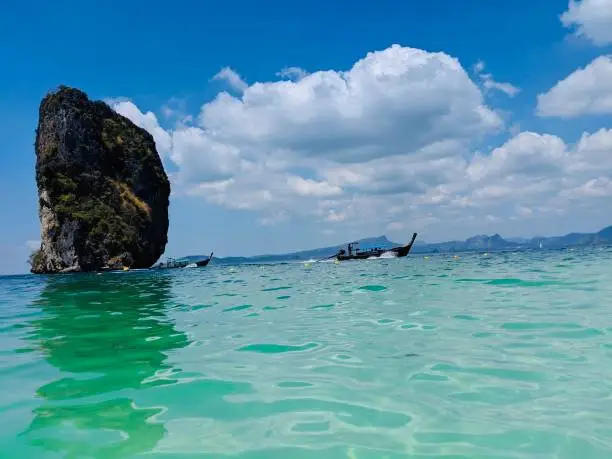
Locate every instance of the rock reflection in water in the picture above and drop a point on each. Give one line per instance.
(108, 336)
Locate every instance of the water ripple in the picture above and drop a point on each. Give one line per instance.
(504, 356)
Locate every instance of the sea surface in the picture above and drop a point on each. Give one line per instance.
(505, 355)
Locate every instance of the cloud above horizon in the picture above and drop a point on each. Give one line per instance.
(232, 78)
(391, 101)
(586, 91)
(489, 84)
(591, 19)
(397, 135)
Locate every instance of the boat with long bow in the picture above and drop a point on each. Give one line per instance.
(353, 251)
(183, 263)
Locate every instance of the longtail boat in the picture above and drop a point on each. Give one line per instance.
(182, 263)
(202, 263)
(354, 253)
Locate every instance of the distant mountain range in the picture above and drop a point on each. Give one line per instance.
(474, 243)
(496, 242)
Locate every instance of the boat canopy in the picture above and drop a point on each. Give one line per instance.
(366, 247)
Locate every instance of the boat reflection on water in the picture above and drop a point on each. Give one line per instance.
(109, 336)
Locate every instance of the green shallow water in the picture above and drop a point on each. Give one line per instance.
(503, 356)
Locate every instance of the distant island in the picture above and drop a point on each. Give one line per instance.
(480, 243)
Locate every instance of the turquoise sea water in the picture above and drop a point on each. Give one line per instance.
(498, 356)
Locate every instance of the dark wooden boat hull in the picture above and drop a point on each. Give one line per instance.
(360, 255)
(172, 265)
(202, 263)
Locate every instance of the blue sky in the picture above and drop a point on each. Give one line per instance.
(418, 136)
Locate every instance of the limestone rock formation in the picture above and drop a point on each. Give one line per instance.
(103, 192)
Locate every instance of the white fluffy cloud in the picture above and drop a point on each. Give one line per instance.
(232, 78)
(295, 73)
(587, 91)
(490, 84)
(200, 158)
(591, 19)
(147, 121)
(393, 137)
(389, 102)
(308, 187)
(597, 187)
(531, 176)
(527, 153)
(540, 170)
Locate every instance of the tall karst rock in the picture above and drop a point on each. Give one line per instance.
(103, 192)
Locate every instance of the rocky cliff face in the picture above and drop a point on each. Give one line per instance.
(103, 192)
